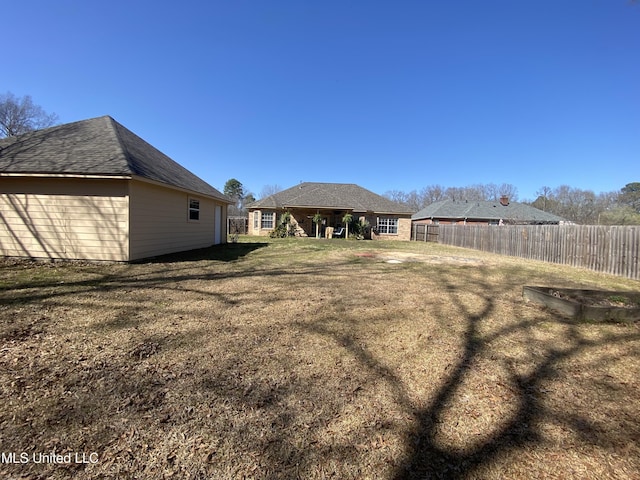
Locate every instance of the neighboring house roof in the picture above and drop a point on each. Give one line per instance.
(343, 196)
(482, 210)
(96, 147)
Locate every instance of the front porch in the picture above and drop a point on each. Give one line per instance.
(262, 222)
(305, 226)
(376, 226)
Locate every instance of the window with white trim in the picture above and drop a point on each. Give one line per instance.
(256, 220)
(267, 220)
(194, 209)
(388, 225)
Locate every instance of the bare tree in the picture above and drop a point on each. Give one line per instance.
(582, 206)
(491, 191)
(576, 204)
(475, 192)
(269, 190)
(432, 194)
(508, 190)
(455, 193)
(413, 201)
(21, 115)
(396, 195)
(544, 196)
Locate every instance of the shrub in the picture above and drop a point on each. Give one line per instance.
(360, 229)
(284, 228)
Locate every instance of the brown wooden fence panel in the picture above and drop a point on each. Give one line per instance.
(608, 249)
(424, 233)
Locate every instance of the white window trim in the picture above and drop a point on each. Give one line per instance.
(273, 220)
(397, 225)
(192, 209)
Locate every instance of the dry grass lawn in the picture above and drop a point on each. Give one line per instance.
(312, 359)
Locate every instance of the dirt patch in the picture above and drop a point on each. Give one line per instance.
(402, 257)
(599, 299)
(587, 304)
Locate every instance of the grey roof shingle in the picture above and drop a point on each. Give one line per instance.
(483, 210)
(98, 146)
(344, 196)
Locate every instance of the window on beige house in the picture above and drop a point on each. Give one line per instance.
(194, 209)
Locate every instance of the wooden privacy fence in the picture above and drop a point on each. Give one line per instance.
(608, 249)
(424, 233)
(237, 225)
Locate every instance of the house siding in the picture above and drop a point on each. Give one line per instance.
(63, 218)
(159, 221)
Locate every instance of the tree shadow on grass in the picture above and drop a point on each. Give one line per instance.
(428, 453)
(283, 412)
(429, 456)
(176, 269)
(228, 252)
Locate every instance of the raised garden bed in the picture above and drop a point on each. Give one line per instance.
(587, 305)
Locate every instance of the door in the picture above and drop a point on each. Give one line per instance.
(217, 233)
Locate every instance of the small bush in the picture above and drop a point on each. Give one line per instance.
(284, 228)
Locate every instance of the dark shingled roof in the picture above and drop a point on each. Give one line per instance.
(98, 146)
(482, 210)
(343, 196)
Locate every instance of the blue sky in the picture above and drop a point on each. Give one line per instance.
(391, 95)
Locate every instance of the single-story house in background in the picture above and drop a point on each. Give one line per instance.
(473, 212)
(94, 190)
(387, 219)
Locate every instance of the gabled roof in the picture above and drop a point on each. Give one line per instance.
(342, 196)
(482, 210)
(96, 147)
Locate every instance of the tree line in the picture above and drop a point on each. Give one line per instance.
(588, 208)
(20, 115)
(574, 204)
(417, 200)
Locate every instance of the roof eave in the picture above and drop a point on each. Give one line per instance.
(318, 207)
(328, 207)
(66, 175)
(382, 212)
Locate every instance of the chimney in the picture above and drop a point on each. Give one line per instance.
(504, 200)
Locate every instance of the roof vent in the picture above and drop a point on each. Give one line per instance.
(504, 200)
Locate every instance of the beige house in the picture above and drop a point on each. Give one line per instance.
(385, 219)
(94, 190)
